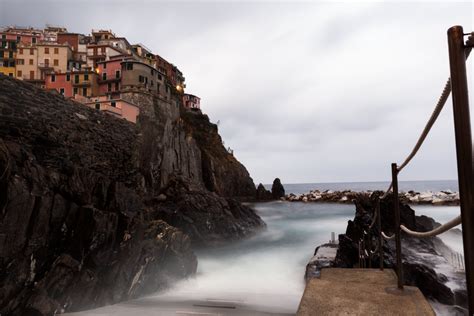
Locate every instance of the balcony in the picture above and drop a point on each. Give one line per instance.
(97, 56)
(45, 66)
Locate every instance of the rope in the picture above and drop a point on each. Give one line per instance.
(387, 192)
(388, 237)
(439, 230)
(439, 106)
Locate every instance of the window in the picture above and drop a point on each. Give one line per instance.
(117, 74)
(160, 77)
(129, 66)
(10, 74)
(19, 74)
(141, 79)
(104, 76)
(61, 91)
(75, 91)
(46, 50)
(32, 75)
(33, 40)
(20, 61)
(97, 106)
(105, 65)
(18, 39)
(109, 87)
(76, 78)
(102, 50)
(20, 51)
(84, 92)
(68, 77)
(10, 54)
(31, 61)
(152, 72)
(56, 50)
(46, 62)
(32, 51)
(53, 78)
(112, 103)
(86, 77)
(4, 36)
(56, 62)
(116, 86)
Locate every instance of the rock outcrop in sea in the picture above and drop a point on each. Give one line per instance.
(278, 191)
(96, 210)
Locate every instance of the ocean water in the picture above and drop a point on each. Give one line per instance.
(262, 274)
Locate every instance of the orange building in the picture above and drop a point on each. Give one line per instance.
(117, 107)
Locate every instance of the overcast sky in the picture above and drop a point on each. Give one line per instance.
(308, 92)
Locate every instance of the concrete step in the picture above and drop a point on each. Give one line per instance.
(361, 292)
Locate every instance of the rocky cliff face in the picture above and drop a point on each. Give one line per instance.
(82, 196)
(221, 172)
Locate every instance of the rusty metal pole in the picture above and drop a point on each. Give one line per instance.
(398, 242)
(462, 129)
(379, 226)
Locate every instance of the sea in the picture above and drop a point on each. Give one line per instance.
(263, 275)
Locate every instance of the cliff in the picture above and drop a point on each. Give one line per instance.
(86, 198)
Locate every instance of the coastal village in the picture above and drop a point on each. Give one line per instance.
(100, 70)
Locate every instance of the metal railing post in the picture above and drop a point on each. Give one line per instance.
(398, 243)
(379, 226)
(462, 128)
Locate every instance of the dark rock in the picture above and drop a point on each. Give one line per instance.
(221, 172)
(417, 271)
(277, 189)
(81, 220)
(263, 194)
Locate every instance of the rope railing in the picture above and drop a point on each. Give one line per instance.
(438, 230)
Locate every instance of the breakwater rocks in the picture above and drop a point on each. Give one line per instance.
(97, 210)
(411, 197)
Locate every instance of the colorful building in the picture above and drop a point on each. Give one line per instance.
(53, 57)
(8, 56)
(191, 101)
(27, 62)
(138, 75)
(84, 83)
(117, 107)
(110, 76)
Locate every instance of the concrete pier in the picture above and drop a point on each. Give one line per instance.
(361, 292)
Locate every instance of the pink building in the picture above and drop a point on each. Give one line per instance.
(61, 82)
(191, 101)
(110, 77)
(117, 107)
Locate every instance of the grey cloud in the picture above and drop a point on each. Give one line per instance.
(308, 92)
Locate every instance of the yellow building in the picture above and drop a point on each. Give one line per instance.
(7, 57)
(53, 57)
(27, 63)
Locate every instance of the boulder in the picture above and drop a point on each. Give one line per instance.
(263, 194)
(277, 189)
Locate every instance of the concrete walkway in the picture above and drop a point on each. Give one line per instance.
(361, 292)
